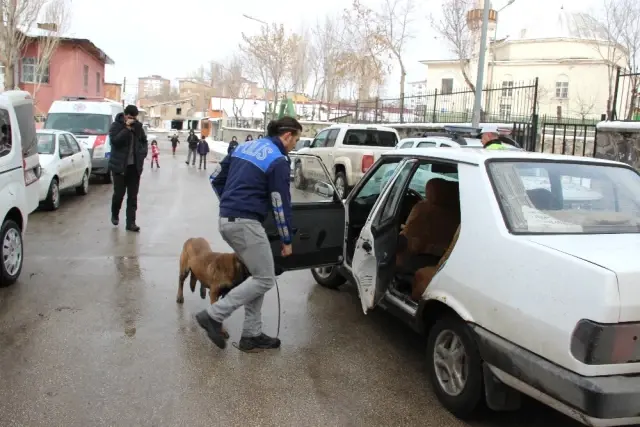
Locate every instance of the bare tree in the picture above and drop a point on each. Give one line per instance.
(300, 62)
(455, 31)
(18, 20)
(584, 105)
(234, 84)
(267, 59)
(365, 49)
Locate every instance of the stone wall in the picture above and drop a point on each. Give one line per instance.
(619, 141)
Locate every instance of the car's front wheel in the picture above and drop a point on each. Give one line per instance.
(11, 252)
(328, 277)
(298, 177)
(455, 367)
(53, 196)
(83, 188)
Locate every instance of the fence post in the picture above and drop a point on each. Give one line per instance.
(357, 102)
(535, 96)
(435, 105)
(613, 114)
(533, 134)
(375, 114)
(402, 107)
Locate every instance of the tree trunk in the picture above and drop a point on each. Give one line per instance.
(403, 76)
(9, 74)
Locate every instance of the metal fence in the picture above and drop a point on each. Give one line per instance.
(625, 104)
(500, 103)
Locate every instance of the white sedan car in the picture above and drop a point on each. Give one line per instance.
(65, 164)
(519, 268)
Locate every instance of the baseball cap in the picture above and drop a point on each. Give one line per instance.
(489, 128)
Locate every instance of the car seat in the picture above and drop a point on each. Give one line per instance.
(423, 276)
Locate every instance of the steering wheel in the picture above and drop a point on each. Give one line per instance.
(414, 193)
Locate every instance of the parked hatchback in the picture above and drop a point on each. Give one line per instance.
(537, 294)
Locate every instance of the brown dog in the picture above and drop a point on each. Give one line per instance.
(218, 272)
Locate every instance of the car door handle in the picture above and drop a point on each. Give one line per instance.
(367, 247)
(305, 236)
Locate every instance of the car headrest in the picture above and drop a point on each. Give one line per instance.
(441, 192)
(541, 198)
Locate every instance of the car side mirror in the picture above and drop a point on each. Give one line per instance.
(322, 189)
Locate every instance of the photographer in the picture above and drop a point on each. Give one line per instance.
(128, 151)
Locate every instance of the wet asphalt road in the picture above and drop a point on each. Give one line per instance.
(91, 335)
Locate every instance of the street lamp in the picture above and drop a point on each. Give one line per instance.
(481, 59)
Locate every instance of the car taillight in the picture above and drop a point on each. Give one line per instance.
(30, 175)
(367, 162)
(100, 140)
(604, 344)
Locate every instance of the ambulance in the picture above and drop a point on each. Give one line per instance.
(89, 120)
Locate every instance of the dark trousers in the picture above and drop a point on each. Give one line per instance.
(203, 161)
(127, 182)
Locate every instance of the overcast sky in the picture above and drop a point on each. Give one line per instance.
(146, 37)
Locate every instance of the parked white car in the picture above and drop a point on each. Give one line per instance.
(537, 294)
(66, 164)
(19, 174)
(454, 137)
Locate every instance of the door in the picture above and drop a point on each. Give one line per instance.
(65, 168)
(374, 256)
(310, 166)
(77, 160)
(318, 223)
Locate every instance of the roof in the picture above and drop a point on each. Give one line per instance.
(361, 126)
(477, 156)
(51, 131)
(84, 43)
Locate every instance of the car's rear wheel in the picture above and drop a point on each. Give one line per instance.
(328, 277)
(455, 367)
(298, 177)
(83, 188)
(53, 196)
(11, 252)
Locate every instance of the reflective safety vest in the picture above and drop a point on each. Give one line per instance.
(496, 146)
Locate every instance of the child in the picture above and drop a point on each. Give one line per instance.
(174, 143)
(154, 153)
(203, 149)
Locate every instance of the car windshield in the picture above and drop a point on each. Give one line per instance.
(79, 123)
(46, 143)
(567, 197)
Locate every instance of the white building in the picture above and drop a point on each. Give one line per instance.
(573, 73)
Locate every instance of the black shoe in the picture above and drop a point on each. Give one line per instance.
(213, 328)
(114, 220)
(133, 227)
(187, 163)
(259, 343)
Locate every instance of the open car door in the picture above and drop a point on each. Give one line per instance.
(318, 222)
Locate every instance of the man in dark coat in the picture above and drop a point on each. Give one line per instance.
(192, 140)
(128, 150)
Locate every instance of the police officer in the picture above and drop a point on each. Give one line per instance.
(249, 182)
(490, 138)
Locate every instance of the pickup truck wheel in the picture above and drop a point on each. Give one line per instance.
(455, 367)
(328, 277)
(341, 184)
(11, 251)
(298, 177)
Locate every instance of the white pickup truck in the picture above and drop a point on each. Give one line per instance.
(347, 151)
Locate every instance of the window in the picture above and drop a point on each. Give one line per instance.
(72, 143)
(86, 78)
(79, 123)
(407, 144)
(427, 172)
(65, 149)
(370, 191)
(318, 188)
(98, 83)
(447, 86)
(505, 111)
(370, 138)
(29, 74)
(562, 87)
(426, 144)
(443, 145)
(507, 88)
(566, 197)
(46, 143)
(27, 127)
(331, 138)
(392, 201)
(320, 139)
(5, 129)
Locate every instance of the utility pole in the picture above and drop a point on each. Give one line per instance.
(124, 88)
(481, 58)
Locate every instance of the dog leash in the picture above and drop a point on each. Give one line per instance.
(235, 344)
